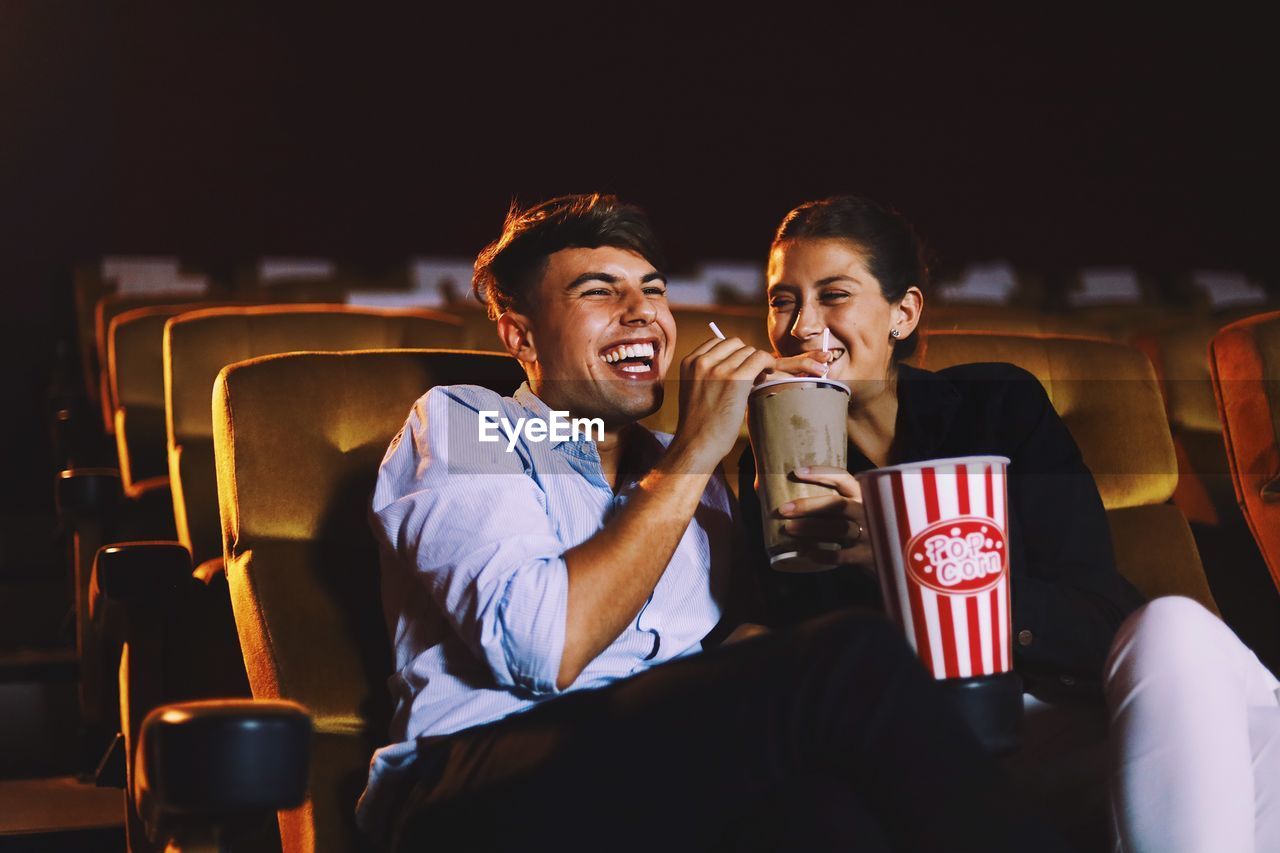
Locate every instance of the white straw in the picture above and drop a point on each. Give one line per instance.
(715, 330)
(826, 339)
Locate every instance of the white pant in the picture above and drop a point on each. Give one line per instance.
(1195, 731)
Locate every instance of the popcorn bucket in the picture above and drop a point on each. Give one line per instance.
(939, 533)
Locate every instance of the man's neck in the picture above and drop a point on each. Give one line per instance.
(612, 450)
(611, 447)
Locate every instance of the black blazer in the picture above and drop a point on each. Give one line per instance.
(1068, 598)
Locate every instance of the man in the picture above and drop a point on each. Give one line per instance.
(549, 600)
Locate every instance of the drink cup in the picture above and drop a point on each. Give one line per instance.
(940, 535)
(795, 422)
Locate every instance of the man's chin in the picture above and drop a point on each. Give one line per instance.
(632, 404)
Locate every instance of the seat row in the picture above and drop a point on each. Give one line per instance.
(303, 581)
(295, 448)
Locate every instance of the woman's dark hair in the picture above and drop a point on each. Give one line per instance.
(508, 270)
(895, 255)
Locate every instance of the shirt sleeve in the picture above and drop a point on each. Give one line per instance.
(468, 520)
(1068, 599)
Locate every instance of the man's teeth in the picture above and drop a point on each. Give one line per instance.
(630, 351)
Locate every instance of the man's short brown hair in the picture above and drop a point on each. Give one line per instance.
(508, 270)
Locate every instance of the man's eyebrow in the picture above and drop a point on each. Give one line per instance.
(592, 276)
(607, 278)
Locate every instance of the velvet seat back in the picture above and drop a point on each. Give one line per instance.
(945, 317)
(198, 344)
(1245, 362)
(298, 440)
(135, 394)
(105, 310)
(1109, 398)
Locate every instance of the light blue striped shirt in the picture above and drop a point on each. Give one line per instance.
(474, 584)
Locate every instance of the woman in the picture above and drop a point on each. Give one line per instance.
(850, 266)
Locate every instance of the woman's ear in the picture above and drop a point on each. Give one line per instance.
(516, 333)
(906, 314)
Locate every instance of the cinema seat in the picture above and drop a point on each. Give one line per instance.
(99, 506)
(951, 317)
(135, 396)
(298, 439)
(481, 332)
(1244, 358)
(106, 310)
(180, 640)
(1108, 397)
(198, 344)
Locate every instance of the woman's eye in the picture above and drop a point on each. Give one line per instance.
(780, 302)
(834, 296)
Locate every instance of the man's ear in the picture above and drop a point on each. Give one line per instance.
(515, 330)
(906, 316)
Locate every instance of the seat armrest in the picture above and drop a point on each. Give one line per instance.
(203, 769)
(87, 493)
(126, 571)
(1271, 490)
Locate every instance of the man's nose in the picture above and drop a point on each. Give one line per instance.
(638, 309)
(807, 322)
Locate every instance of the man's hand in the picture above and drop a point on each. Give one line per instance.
(715, 381)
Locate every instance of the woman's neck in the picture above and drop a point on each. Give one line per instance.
(873, 418)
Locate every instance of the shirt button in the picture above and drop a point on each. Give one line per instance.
(1025, 637)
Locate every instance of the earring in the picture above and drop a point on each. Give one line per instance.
(894, 333)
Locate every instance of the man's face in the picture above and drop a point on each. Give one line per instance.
(602, 335)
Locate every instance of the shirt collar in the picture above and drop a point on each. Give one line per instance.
(648, 446)
(532, 403)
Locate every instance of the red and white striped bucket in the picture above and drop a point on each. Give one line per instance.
(940, 534)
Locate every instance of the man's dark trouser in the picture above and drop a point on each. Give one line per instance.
(825, 736)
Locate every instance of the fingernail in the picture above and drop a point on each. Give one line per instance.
(787, 507)
(804, 470)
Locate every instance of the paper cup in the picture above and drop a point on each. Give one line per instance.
(939, 532)
(795, 422)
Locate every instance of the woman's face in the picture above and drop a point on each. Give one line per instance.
(817, 283)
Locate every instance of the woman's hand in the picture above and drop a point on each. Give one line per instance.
(831, 518)
(813, 363)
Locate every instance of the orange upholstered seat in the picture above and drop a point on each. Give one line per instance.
(298, 440)
(1245, 362)
(198, 344)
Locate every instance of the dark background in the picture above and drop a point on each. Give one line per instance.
(222, 132)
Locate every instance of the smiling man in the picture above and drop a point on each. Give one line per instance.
(549, 604)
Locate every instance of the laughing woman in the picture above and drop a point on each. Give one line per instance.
(853, 267)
